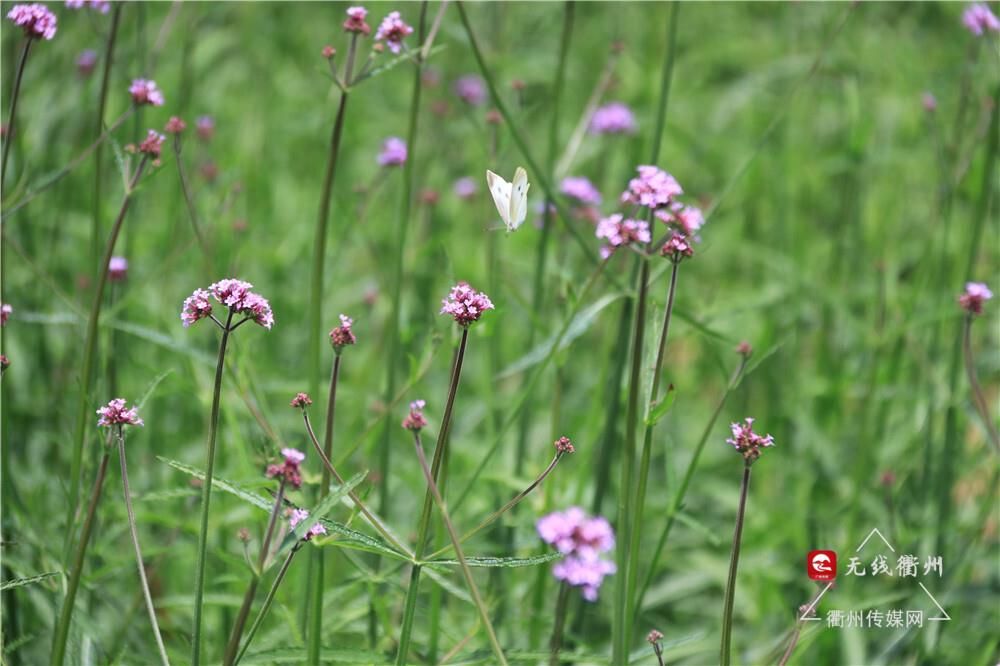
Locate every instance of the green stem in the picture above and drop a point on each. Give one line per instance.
(138, 551)
(102, 101)
(12, 116)
(977, 392)
(425, 514)
(266, 606)
(206, 494)
(620, 625)
(734, 559)
(555, 642)
(90, 350)
(188, 199)
(484, 614)
(248, 597)
(675, 504)
(61, 632)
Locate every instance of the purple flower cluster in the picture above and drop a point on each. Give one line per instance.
(355, 21)
(144, 91)
(86, 61)
(464, 188)
(5, 311)
(235, 295)
(677, 248)
(581, 189)
(36, 19)
(117, 269)
(299, 515)
(975, 294)
(393, 30)
(652, 188)
(415, 419)
(619, 232)
(100, 5)
(393, 152)
(747, 442)
(471, 89)
(152, 145)
(301, 400)
(465, 304)
(613, 118)
(582, 540)
(205, 126)
(685, 219)
(289, 470)
(978, 18)
(114, 413)
(342, 335)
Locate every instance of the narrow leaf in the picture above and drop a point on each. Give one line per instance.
(500, 562)
(30, 580)
(662, 407)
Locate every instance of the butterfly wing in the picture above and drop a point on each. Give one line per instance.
(500, 189)
(518, 206)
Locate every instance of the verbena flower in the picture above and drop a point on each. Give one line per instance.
(238, 297)
(342, 335)
(5, 311)
(393, 152)
(613, 118)
(356, 21)
(415, 419)
(975, 294)
(328, 52)
(175, 125)
(747, 442)
(205, 126)
(685, 219)
(393, 30)
(301, 400)
(465, 188)
(978, 18)
(296, 517)
(115, 413)
(289, 470)
(564, 445)
(654, 637)
(4, 362)
(117, 269)
(86, 61)
(582, 540)
(100, 5)
(929, 102)
(316, 530)
(465, 304)
(152, 145)
(471, 89)
(36, 20)
(619, 231)
(581, 189)
(144, 91)
(196, 306)
(653, 188)
(677, 248)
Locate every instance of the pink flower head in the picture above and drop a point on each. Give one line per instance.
(236, 295)
(196, 306)
(205, 126)
(5, 311)
(581, 189)
(293, 456)
(465, 188)
(4, 362)
(328, 52)
(929, 102)
(152, 145)
(117, 269)
(677, 248)
(613, 118)
(619, 232)
(747, 442)
(415, 419)
(144, 91)
(342, 336)
(685, 219)
(393, 152)
(296, 517)
(582, 540)
(356, 21)
(258, 309)
(86, 61)
(471, 89)
(465, 304)
(100, 5)
(36, 19)
(653, 188)
(301, 400)
(316, 530)
(289, 471)
(975, 294)
(564, 445)
(175, 125)
(393, 30)
(114, 413)
(978, 18)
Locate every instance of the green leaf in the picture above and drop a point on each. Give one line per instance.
(30, 580)
(662, 407)
(408, 55)
(327, 655)
(221, 484)
(320, 510)
(152, 387)
(500, 562)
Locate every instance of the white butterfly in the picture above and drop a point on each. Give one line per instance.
(511, 199)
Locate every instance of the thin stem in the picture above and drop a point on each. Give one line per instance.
(647, 448)
(734, 559)
(358, 502)
(484, 614)
(425, 515)
(620, 626)
(804, 611)
(12, 115)
(206, 494)
(686, 481)
(978, 399)
(188, 199)
(248, 597)
(555, 642)
(95, 229)
(61, 632)
(90, 350)
(493, 517)
(266, 606)
(133, 530)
